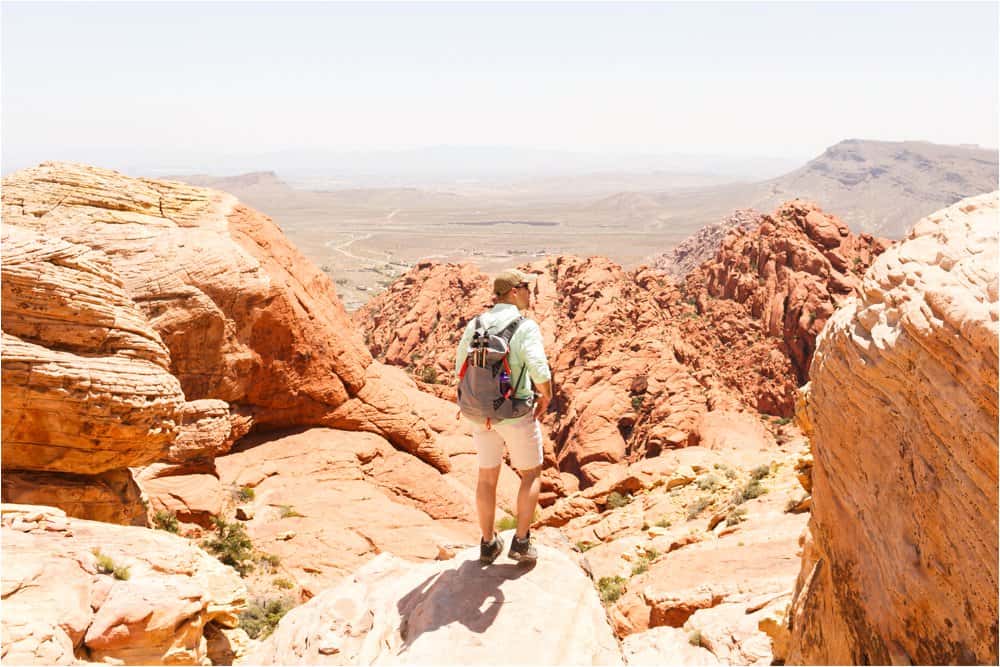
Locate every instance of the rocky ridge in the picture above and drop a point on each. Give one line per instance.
(702, 246)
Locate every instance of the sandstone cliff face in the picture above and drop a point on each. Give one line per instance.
(246, 319)
(901, 561)
(791, 273)
(61, 608)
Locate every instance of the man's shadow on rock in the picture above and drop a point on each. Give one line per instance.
(457, 595)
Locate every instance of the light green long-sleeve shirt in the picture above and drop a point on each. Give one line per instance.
(526, 348)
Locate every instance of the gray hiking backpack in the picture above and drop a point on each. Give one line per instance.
(484, 387)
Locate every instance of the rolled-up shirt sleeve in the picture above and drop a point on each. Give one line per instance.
(463, 347)
(533, 353)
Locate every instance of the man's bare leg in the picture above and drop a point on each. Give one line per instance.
(527, 499)
(486, 500)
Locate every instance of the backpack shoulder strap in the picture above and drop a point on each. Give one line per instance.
(508, 331)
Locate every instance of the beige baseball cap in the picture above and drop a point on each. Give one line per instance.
(509, 279)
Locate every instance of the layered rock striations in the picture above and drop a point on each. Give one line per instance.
(86, 380)
(246, 319)
(900, 565)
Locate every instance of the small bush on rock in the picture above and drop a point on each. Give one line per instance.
(752, 490)
(708, 482)
(698, 507)
(737, 515)
(261, 617)
(506, 523)
(164, 520)
(616, 500)
(429, 375)
(610, 588)
(231, 545)
(105, 565)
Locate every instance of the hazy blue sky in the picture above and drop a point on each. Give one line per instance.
(114, 81)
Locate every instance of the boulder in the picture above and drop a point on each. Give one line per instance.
(62, 605)
(900, 564)
(452, 612)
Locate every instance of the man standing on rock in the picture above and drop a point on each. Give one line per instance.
(500, 358)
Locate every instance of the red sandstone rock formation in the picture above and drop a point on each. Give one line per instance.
(900, 565)
(246, 318)
(86, 380)
(791, 273)
(635, 363)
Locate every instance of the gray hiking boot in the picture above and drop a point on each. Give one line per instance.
(488, 551)
(523, 551)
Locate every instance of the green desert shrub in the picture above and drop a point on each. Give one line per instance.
(737, 515)
(261, 617)
(708, 482)
(231, 545)
(288, 511)
(506, 523)
(644, 561)
(610, 588)
(164, 520)
(245, 494)
(752, 490)
(105, 565)
(616, 500)
(283, 582)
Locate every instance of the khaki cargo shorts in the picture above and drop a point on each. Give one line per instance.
(523, 438)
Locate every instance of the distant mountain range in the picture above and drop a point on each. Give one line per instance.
(878, 187)
(874, 186)
(884, 187)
